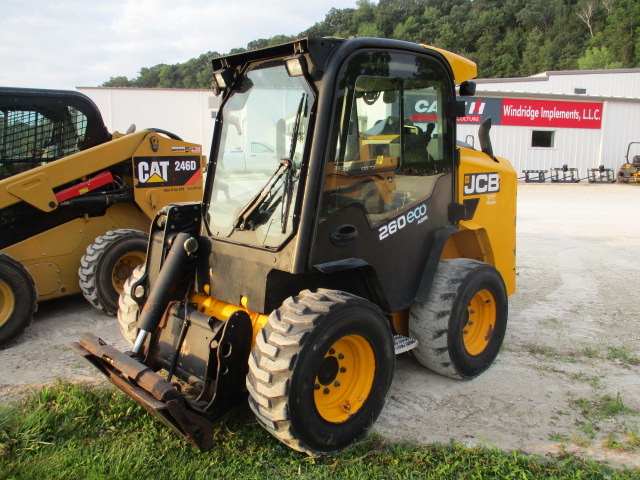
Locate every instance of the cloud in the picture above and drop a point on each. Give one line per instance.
(64, 44)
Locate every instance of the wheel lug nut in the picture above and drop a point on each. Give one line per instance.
(326, 390)
(340, 356)
(465, 332)
(342, 369)
(336, 383)
(316, 386)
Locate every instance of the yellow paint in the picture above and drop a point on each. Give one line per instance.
(223, 310)
(463, 68)
(490, 236)
(53, 257)
(482, 320)
(351, 364)
(7, 302)
(400, 321)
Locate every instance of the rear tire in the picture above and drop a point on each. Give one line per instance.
(320, 371)
(18, 298)
(107, 265)
(128, 308)
(461, 326)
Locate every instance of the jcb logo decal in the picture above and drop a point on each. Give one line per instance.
(479, 183)
(153, 172)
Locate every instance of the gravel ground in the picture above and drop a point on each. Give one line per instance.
(567, 378)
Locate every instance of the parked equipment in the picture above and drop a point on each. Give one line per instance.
(630, 170)
(600, 175)
(534, 176)
(564, 174)
(75, 199)
(374, 235)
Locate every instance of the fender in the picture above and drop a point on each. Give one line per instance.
(429, 271)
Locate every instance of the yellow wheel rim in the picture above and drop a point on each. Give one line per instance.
(478, 331)
(124, 267)
(344, 378)
(7, 302)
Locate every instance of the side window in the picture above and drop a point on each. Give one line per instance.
(391, 132)
(33, 137)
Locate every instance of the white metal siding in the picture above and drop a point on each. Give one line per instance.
(187, 113)
(601, 83)
(575, 147)
(621, 127)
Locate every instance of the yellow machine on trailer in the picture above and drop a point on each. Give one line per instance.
(375, 235)
(76, 202)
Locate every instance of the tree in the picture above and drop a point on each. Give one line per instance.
(598, 58)
(505, 37)
(116, 82)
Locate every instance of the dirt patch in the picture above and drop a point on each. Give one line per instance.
(567, 378)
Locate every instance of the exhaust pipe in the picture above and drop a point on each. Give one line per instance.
(485, 140)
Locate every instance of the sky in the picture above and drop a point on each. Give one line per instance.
(65, 44)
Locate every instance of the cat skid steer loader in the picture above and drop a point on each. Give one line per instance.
(76, 202)
(374, 235)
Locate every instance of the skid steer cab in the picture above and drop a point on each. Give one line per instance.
(370, 234)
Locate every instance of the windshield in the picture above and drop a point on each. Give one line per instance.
(261, 145)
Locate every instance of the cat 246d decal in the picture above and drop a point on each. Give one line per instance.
(167, 171)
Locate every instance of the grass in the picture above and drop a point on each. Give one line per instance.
(623, 356)
(71, 431)
(602, 411)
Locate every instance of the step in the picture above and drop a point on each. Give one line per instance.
(404, 344)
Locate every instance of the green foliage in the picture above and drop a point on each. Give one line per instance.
(505, 37)
(597, 58)
(72, 432)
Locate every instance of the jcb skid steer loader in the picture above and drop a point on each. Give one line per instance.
(375, 234)
(76, 202)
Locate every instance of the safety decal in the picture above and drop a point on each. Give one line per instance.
(481, 183)
(167, 171)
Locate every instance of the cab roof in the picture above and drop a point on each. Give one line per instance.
(321, 49)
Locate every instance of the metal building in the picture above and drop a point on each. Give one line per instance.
(189, 114)
(582, 119)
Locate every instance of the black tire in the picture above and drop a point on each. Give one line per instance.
(320, 371)
(107, 264)
(128, 308)
(18, 298)
(461, 326)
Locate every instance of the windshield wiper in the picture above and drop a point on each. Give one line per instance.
(244, 219)
(288, 181)
(249, 216)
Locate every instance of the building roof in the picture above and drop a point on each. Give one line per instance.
(621, 84)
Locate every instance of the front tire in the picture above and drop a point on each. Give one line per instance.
(128, 308)
(461, 326)
(320, 370)
(18, 298)
(107, 265)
